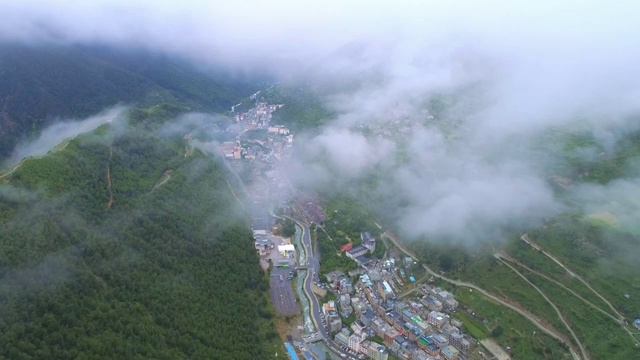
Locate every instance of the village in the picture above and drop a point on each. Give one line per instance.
(363, 315)
(371, 314)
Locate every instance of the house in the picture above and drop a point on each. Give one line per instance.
(448, 329)
(334, 276)
(459, 342)
(355, 342)
(363, 260)
(449, 353)
(342, 339)
(436, 318)
(329, 308)
(377, 351)
(385, 291)
(636, 323)
(334, 323)
(432, 303)
(358, 327)
(367, 317)
(440, 341)
(346, 247)
(345, 286)
(356, 252)
(390, 335)
(368, 241)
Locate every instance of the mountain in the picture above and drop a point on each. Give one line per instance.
(40, 84)
(117, 245)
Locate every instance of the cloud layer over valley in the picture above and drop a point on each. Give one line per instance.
(446, 104)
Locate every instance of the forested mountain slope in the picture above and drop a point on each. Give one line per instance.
(165, 271)
(39, 84)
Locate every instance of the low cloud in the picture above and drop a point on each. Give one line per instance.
(55, 134)
(440, 101)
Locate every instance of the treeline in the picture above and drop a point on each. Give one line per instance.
(163, 274)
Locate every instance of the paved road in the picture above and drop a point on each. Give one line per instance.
(529, 317)
(281, 293)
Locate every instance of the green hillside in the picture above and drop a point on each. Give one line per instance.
(166, 270)
(39, 84)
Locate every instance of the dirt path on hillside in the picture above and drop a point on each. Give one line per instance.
(532, 318)
(235, 196)
(526, 239)
(596, 307)
(12, 170)
(109, 179)
(585, 355)
(163, 180)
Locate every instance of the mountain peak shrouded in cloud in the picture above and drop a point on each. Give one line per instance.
(508, 72)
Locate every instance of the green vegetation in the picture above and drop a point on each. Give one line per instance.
(525, 340)
(346, 219)
(377, 339)
(471, 325)
(288, 228)
(303, 110)
(168, 274)
(601, 335)
(584, 159)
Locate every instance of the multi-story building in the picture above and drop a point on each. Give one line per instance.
(385, 291)
(335, 324)
(342, 339)
(407, 315)
(459, 342)
(356, 252)
(368, 241)
(449, 353)
(389, 335)
(448, 329)
(440, 341)
(436, 318)
(354, 342)
(450, 304)
(367, 317)
(358, 327)
(432, 303)
(377, 351)
(329, 308)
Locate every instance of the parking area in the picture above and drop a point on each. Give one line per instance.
(282, 296)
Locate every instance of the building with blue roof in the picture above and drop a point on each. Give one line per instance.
(291, 351)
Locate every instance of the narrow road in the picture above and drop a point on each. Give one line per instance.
(555, 308)
(526, 239)
(522, 312)
(12, 170)
(235, 196)
(109, 179)
(596, 307)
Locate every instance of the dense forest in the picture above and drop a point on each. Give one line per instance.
(117, 246)
(40, 84)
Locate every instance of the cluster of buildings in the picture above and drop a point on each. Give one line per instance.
(419, 329)
(258, 116)
(306, 207)
(358, 253)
